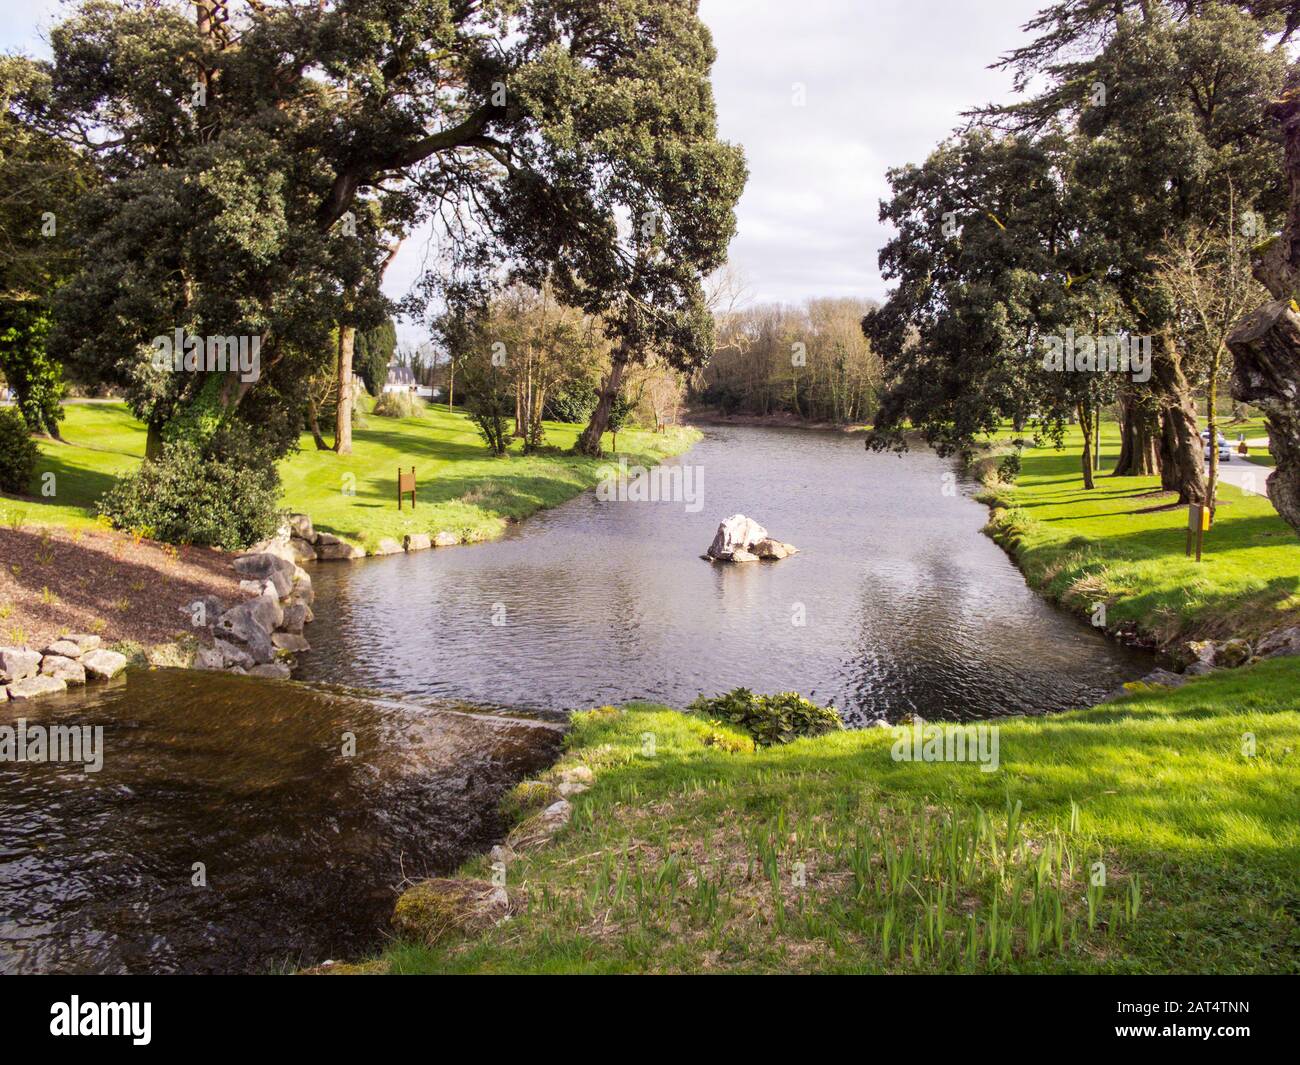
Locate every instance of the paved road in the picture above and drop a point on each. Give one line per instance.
(1245, 474)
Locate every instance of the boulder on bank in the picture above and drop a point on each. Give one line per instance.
(63, 668)
(430, 910)
(538, 829)
(292, 642)
(18, 663)
(33, 687)
(741, 539)
(271, 670)
(331, 548)
(300, 526)
(1280, 643)
(103, 665)
(261, 564)
(208, 658)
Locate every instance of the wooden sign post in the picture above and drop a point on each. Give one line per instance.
(1198, 520)
(405, 484)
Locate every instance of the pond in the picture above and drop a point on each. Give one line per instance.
(240, 825)
(896, 604)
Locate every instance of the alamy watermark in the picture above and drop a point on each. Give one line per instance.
(659, 484)
(1083, 353)
(21, 742)
(918, 742)
(188, 353)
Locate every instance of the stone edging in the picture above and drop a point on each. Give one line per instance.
(305, 544)
(69, 661)
(261, 635)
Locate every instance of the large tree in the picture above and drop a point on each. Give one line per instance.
(1267, 343)
(1170, 97)
(263, 157)
(40, 179)
(994, 270)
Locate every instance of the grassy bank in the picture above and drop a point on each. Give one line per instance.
(462, 489)
(690, 853)
(828, 855)
(1123, 544)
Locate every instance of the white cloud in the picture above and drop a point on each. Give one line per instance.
(885, 81)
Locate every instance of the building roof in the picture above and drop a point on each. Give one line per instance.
(400, 375)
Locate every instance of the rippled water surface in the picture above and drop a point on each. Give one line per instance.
(302, 847)
(907, 607)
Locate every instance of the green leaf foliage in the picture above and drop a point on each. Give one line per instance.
(769, 719)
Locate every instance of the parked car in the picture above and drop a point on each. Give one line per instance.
(1225, 452)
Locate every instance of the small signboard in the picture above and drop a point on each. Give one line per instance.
(1198, 521)
(405, 486)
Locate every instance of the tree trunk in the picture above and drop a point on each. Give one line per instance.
(1267, 374)
(313, 423)
(1139, 454)
(153, 440)
(589, 442)
(1086, 425)
(1181, 463)
(343, 417)
(1212, 424)
(521, 416)
(1266, 345)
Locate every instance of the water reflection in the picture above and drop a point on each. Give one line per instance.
(907, 607)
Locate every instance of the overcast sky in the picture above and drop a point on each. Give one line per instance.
(882, 82)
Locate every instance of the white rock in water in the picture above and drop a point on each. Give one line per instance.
(736, 533)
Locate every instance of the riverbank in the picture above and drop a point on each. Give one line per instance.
(67, 572)
(462, 488)
(691, 854)
(1122, 546)
(132, 593)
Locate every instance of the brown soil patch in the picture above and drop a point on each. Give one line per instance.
(55, 581)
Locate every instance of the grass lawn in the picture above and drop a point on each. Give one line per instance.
(1123, 544)
(827, 855)
(462, 489)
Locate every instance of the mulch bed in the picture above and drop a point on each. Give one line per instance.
(55, 581)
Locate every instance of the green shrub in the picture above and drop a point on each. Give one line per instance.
(398, 405)
(18, 452)
(573, 403)
(222, 495)
(769, 719)
(1009, 468)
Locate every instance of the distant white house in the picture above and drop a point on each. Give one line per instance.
(401, 379)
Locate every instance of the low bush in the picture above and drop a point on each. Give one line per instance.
(18, 453)
(769, 719)
(573, 403)
(219, 495)
(398, 405)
